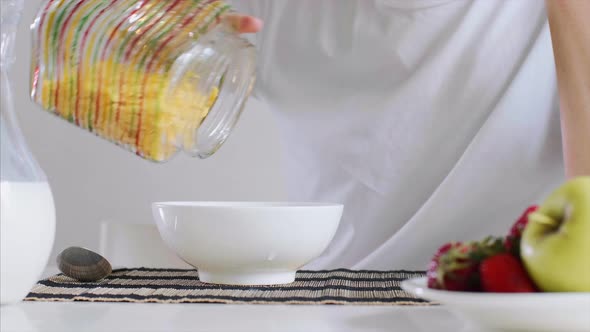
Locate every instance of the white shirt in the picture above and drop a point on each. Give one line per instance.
(431, 120)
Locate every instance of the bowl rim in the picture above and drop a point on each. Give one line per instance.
(247, 204)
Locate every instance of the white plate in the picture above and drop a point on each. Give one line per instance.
(512, 312)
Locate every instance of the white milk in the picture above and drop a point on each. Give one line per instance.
(27, 233)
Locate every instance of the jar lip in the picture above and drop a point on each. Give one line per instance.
(226, 61)
(225, 34)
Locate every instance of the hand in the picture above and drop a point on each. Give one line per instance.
(243, 23)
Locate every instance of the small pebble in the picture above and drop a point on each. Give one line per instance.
(83, 264)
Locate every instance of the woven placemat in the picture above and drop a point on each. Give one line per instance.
(143, 285)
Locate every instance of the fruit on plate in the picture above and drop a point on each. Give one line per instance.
(455, 266)
(555, 245)
(512, 241)
(504, 273)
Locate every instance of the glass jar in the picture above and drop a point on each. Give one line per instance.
(152, 76)
(27, 212)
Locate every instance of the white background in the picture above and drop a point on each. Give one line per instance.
(93, 180)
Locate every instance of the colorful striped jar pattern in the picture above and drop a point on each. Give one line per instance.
(104, 66)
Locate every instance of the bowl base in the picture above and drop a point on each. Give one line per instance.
(247, 278)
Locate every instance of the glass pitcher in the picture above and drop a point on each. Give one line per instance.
(152, 76)
(27, 213)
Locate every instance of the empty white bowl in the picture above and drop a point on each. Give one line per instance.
(247, 243)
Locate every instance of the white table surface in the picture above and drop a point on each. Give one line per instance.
(82, 316)
(77, 317)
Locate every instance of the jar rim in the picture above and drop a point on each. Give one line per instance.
(227, 62)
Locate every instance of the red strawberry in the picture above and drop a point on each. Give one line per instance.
(504, 273)
(455, 266)
(512, 241)
(450, 270)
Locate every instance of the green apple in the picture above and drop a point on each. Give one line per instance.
(555, 245)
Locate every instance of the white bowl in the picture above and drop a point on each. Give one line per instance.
(512, 311)
(247, 243)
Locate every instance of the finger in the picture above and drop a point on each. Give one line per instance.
(242, 23)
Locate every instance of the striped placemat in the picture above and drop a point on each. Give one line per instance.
(145, 285)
